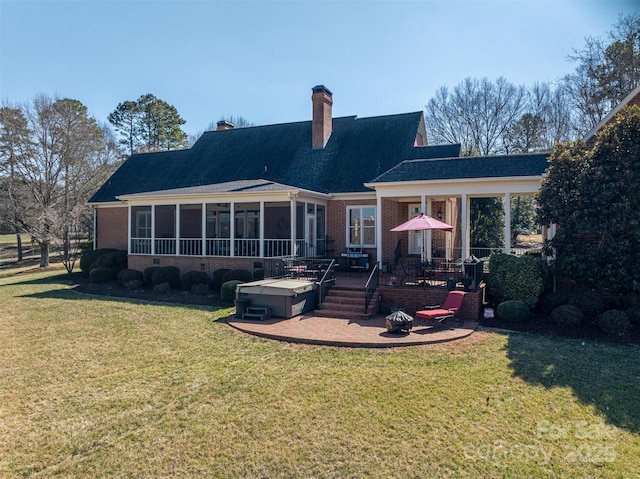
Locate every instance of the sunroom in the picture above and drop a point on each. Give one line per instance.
(238, 219)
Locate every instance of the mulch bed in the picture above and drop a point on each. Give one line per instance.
(538, 324)
(113, 288)
(542, 324)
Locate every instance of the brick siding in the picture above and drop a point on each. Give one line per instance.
(413, 299)
(111, 227)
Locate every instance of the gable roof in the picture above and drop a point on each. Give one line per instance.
(529, 164)
(357, 150)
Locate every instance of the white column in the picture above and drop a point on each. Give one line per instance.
(507, 222)
(429, 232)
(177, 229)
(379, 230)
(262, 229)
(294, 224)
(204, 229)
(232, 228)
(464, 222)
(95, 229)
(128, 231)
(153, 229)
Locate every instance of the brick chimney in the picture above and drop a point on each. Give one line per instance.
(321, 120)
(224, 125)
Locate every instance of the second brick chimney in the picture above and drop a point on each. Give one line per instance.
(322, 100)
(224, 125)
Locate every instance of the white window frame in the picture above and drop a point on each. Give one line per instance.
(348, 226)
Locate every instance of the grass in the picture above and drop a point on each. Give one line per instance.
(95, 387)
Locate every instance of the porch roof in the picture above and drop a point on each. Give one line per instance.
(520, 165)
(229, 187)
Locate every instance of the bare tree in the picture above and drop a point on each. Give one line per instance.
(64, 160)
(477, 114)
(607, 70)
(237, 121)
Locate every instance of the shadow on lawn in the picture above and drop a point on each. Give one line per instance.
(605, 375)
(70, 294)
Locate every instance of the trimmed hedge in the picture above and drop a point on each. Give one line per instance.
(191, 278)
(166, 274)
(129, 275)
(551, 301)
(614, 321)
(515, 277)
(239, 275)
(228, 290)
(591, 306)
(100, 274)
(216, 277)
(514, 311)
(88, 258)
(116, 260)
(567, 315)
(147, 275)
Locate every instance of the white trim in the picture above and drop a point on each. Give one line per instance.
(354, 196)
(109, 204)
(608, 117)
(348, 225)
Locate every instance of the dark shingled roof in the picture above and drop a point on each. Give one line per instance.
(358, 150)
(530, 164)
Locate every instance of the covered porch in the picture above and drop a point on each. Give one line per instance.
(240, 219)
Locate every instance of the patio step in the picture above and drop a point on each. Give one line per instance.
(257, 312)
(346, 303)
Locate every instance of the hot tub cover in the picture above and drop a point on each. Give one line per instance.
(277, 287)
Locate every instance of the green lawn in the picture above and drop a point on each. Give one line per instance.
(94, 387)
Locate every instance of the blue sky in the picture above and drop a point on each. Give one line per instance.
(260, 59)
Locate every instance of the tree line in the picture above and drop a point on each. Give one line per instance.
(497, 117)
(54, 155)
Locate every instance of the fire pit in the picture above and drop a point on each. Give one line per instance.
(399, 321)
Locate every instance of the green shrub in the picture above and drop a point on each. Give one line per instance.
(514, 311)
(191, 278)
(591, 306)
(551, 301)
(258, 274)
(116, 260)
(228, 290)
(166, 274)
(100, 274)
(238, 274)
(512, 277)
(147, 275)
(127, 275)
(200, 289)
(567, 315)
(614, 321)
(633, 314)
(161, 287)
(216, 277)
(88, 258)
(132, 284)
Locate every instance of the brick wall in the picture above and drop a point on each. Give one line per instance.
(337, 224)
(111, 227)
(192, 263)
(413, 299)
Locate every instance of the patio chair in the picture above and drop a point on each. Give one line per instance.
(449, 309)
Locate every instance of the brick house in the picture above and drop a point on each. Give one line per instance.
(311, 188)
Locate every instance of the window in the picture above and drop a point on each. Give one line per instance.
(361, 226)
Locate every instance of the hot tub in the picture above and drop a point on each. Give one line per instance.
(286, 297)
